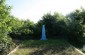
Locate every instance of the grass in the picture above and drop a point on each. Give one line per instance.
(48, 47)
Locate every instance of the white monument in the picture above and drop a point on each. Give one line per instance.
(43, 36)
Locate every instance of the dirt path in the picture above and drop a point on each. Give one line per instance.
(14, 50)
(79, 51)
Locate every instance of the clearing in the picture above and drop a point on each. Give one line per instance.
(48, 47)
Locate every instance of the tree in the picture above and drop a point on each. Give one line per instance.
(4, 21)
(78, 15)
(55, 25)
(75, 26)
(5, 27)
(21, 29)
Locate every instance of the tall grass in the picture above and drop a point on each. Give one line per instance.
(47, 47)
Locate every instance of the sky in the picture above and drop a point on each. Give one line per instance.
(35, 9)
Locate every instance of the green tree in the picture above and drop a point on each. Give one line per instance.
(55, 25)
(21, 29)
(4, 21)
(5, 27)
(76, 26)
(78, 15)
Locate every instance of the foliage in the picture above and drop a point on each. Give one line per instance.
(76, 26)
(70, 27)
(49, 47)
(4, 20)
(5, 27)
(58, 26)
(78, 14)
(54, 24)
(22, 29)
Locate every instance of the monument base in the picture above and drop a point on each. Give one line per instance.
(43, 39)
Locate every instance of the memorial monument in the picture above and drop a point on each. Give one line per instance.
(43, 36)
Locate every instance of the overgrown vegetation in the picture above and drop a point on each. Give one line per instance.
(49, 47)
(70, 27)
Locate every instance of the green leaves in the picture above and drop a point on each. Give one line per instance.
(4, 22)
(55, 24)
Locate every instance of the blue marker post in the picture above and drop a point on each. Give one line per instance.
(43, 36)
